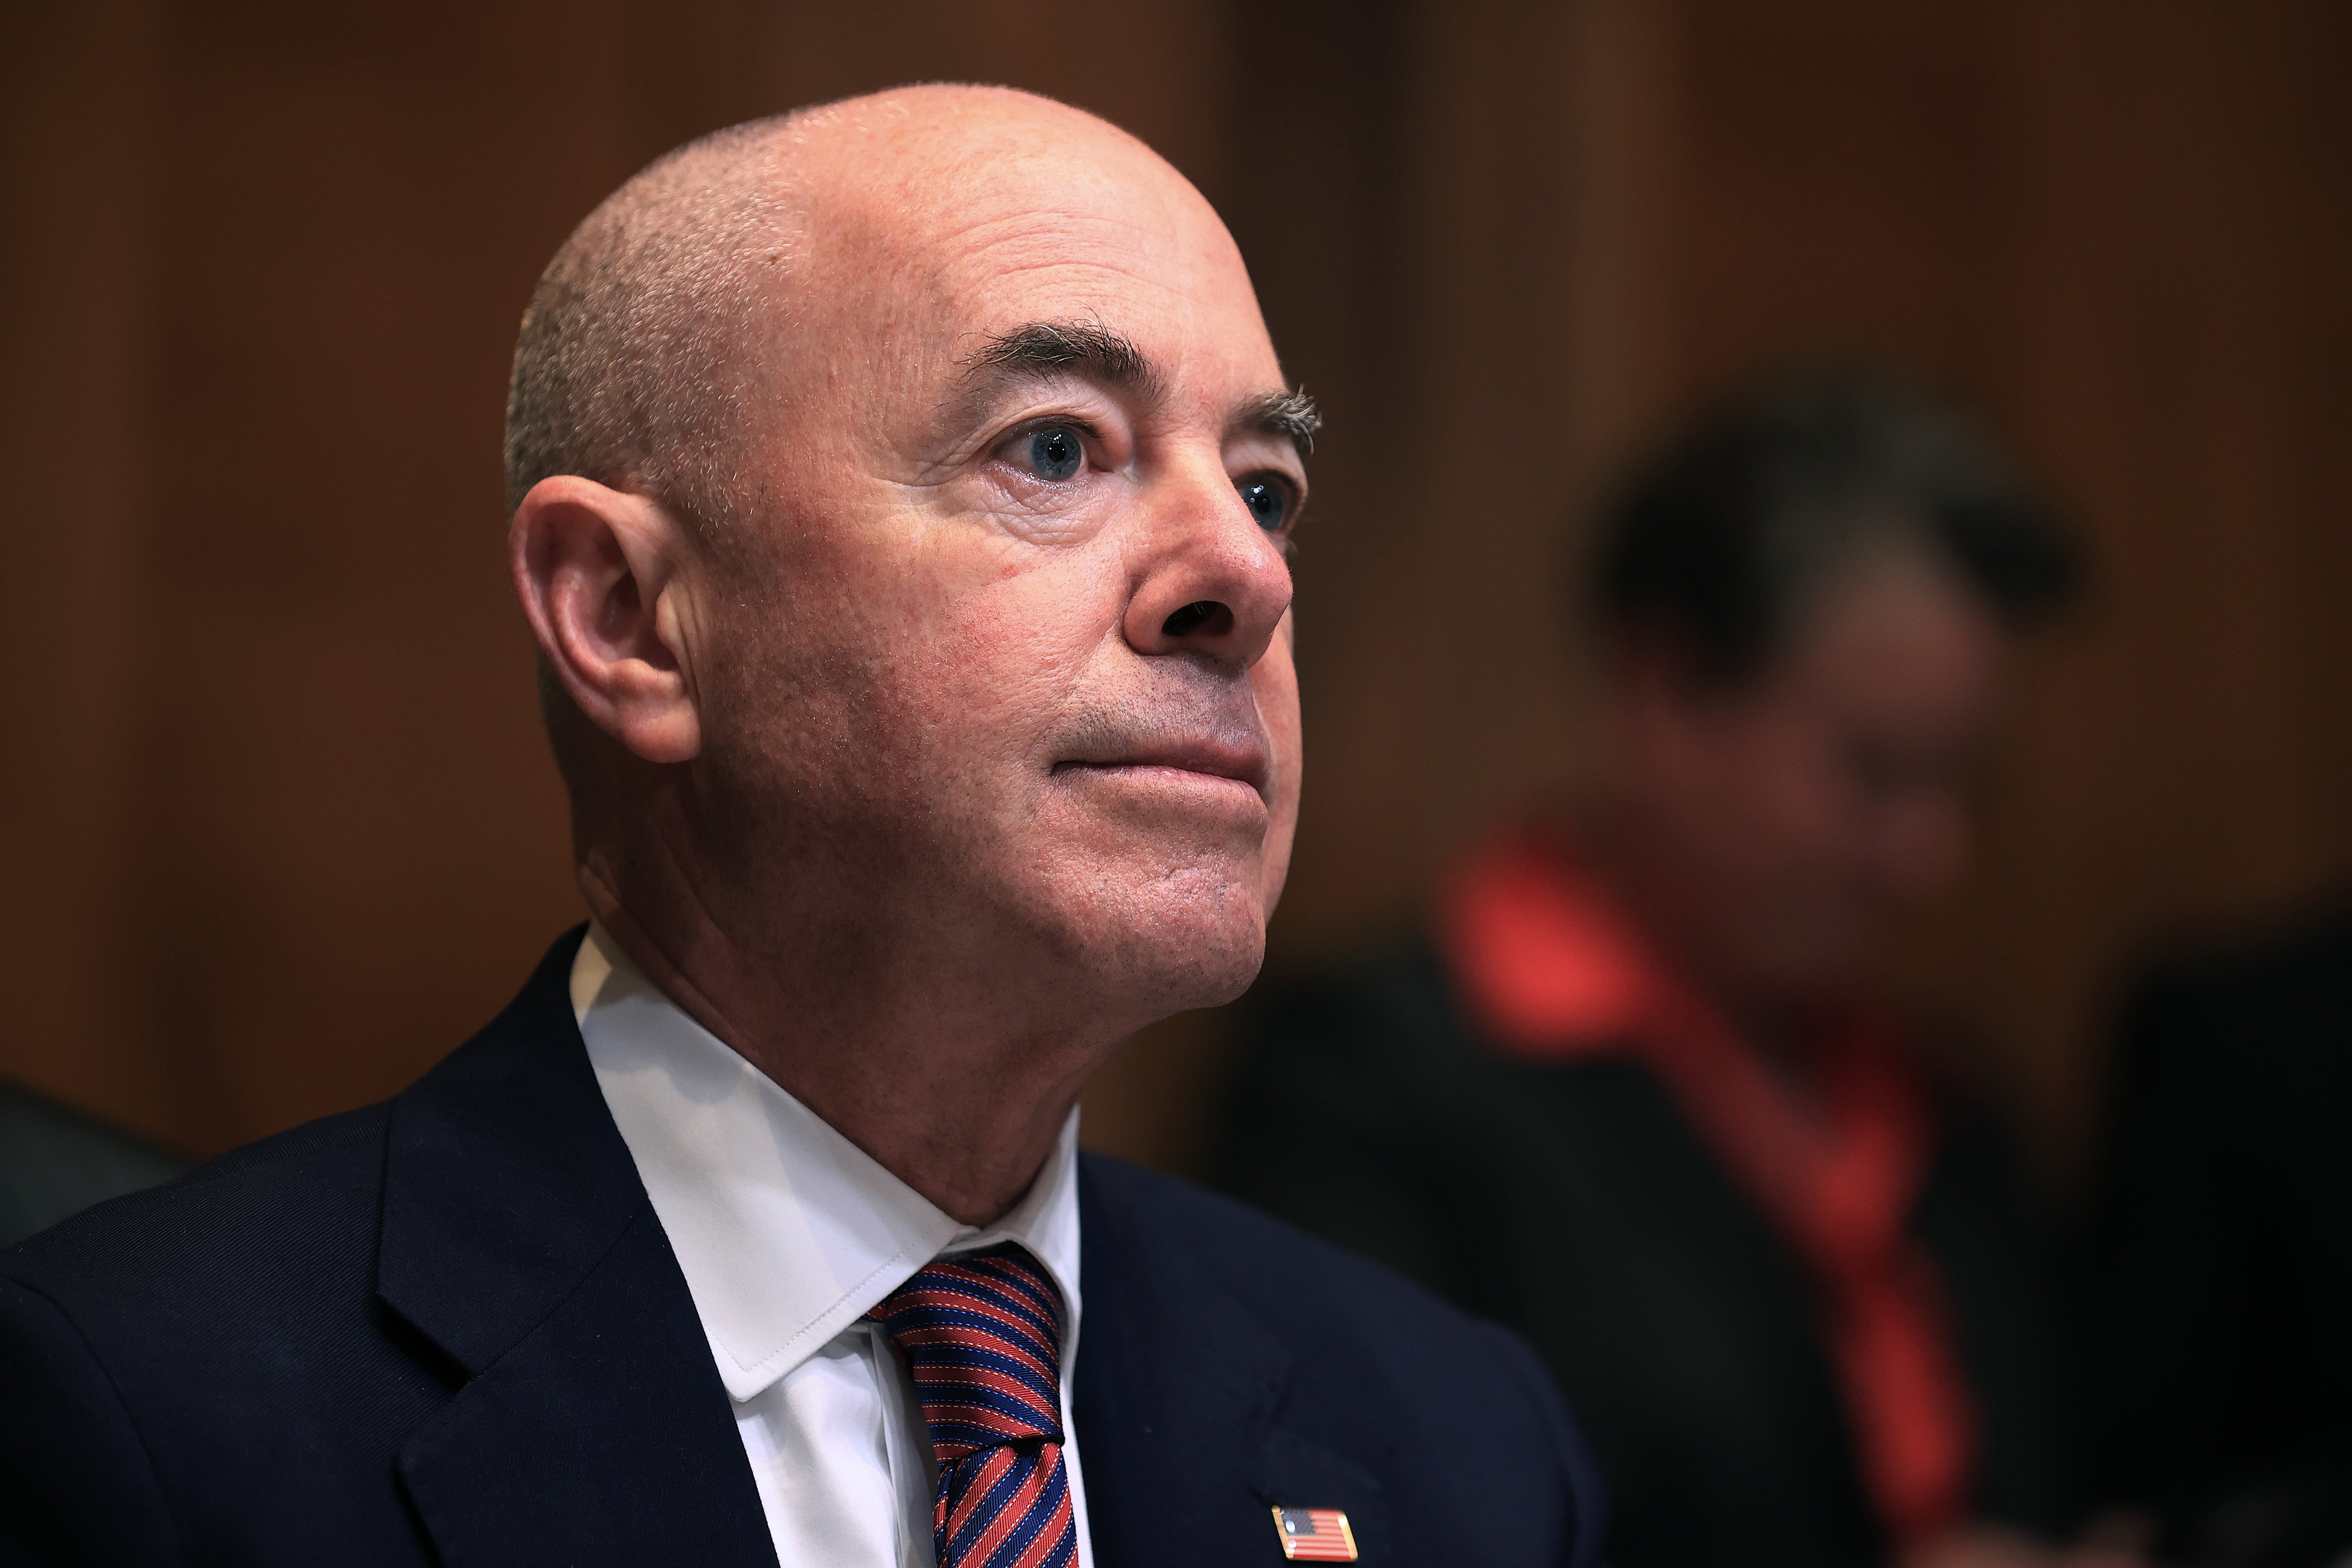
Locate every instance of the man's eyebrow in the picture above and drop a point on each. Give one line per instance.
(1087, 348)
(1290, 414)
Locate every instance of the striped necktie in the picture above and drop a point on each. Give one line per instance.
(983, 1334)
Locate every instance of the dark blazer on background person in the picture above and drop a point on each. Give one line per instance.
(1575, 1203)
(450, 1328)
(2214, 1267)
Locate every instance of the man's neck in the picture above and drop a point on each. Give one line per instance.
(958, 1100)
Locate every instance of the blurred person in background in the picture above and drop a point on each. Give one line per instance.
(56, 1161)
(2214, 1269)
(1630, 1094)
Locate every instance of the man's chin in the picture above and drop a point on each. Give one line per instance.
(1192, 981)
(1163, 947)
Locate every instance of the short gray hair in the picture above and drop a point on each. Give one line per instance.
(636, 365)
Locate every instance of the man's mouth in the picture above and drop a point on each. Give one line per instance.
(1203, 759)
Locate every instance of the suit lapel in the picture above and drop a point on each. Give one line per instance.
(588, 1425)
(1178, 1405)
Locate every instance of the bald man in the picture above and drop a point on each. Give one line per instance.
(902, 491)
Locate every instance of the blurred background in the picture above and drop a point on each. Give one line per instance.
(277, 824)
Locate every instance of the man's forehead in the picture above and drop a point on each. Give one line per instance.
(987, 169)
(1188, 312)
(1161, 265)
(926, 239)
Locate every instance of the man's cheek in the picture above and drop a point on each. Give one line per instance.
(1274, 860)
(1274, 683)
(980, 670)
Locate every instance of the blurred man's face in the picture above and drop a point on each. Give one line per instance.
(1001, 664)
(1807, 809)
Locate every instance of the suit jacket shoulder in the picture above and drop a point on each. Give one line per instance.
(1229, 1365)
(106, 1318)
(443, 1328)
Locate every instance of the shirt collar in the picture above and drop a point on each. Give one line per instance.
(785, 1230)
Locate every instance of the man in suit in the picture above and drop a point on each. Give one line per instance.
(902, 490)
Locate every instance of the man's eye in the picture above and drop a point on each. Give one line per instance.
(1056, 452)
(1268, 501)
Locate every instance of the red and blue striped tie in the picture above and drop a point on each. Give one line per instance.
(983, 1334)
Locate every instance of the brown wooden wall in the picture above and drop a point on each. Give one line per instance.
(279, 829)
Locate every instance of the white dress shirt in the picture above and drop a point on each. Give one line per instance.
(787, 1232)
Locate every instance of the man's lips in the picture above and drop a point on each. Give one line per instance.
(1246, 765)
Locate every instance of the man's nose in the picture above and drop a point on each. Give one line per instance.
(1209, 581)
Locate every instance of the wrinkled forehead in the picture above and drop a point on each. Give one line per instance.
(934, 247)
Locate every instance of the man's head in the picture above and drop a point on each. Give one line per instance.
(1810, 598)
(902, 496)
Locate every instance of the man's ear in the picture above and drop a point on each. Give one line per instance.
(599, 574)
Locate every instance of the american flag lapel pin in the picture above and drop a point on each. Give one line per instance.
(1315, 1535)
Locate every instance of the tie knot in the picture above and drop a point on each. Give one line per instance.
(982, 1336)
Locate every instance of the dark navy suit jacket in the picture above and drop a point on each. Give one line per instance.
(449, 1330)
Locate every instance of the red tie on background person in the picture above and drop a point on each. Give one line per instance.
(982, 1335)
(1553, 970)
